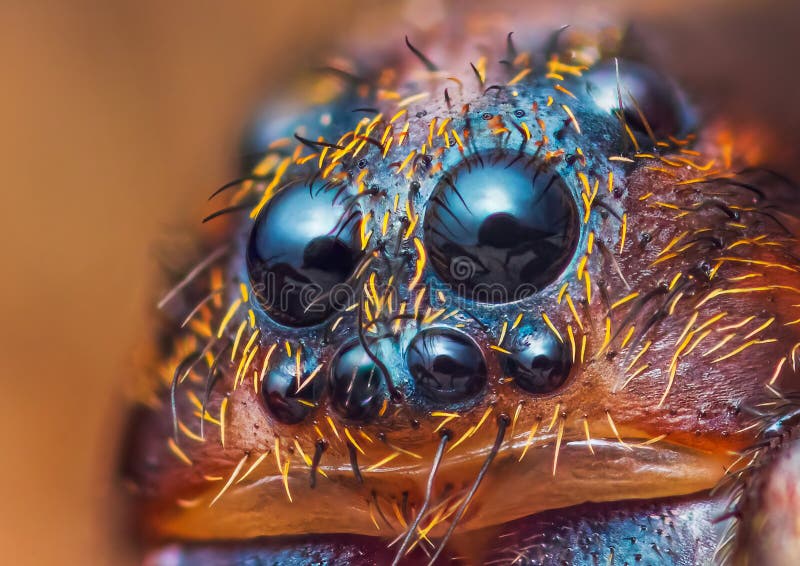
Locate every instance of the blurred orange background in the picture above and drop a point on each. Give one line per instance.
(119, 118)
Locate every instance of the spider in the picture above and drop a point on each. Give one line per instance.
(510, 304)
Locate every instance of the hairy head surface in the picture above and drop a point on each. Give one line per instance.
(458, 293)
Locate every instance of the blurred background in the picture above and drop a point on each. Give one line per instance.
(118, 118)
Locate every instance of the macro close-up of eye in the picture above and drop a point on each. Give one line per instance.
(447, 365)
(651, 106)
(288, 400)
(300, 248)
(509, 226)
(437, 283)
(540, 364)
(355, 384)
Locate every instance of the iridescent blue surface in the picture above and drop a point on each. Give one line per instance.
(301, 246)
(498, 232)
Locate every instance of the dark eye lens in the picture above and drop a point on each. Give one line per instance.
(356, 384)
(498, 233)
(446, 365)
(300, 248)
(540, 365)
(290, 397)
(641, 87)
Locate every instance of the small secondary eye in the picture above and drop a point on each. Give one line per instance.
(539, 365)
(288, 396)
(644, 93)
(356, 384)
(447, 365)
(302, 245)
(498, 233)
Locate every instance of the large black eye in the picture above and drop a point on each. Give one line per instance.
(446, 365)
(289, 396)
(356, 384)
(644, 92)
(540, 364)
(300, 248)
(498, 233)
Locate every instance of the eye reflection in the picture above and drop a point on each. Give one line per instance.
(301, 246)
(498, 233)
(644, 93)
(539, 364)
(446, 365)
(289, 397)
(356, 384)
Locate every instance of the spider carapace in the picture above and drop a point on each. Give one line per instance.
(501, 301)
